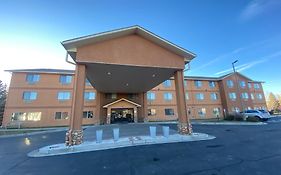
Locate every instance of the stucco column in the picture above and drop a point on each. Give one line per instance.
(184, 126)
(74, 136)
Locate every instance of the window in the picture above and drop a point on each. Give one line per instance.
(167, 83)
(63, 95)
(151, 112)
(235, 109)
(198, 83)
(249, 85)
(214, 96)
(202, 112)
(169, 111)
(185, 83)
(256, 86)
(259, 96)
(252, 96)
(111, 95)
(229, 83)
(242, 84)
(32, 78)
(65, 79)
(244, 95)
(186, 96)
(26, 116)
(216, 112)
(132, 96)
(199, 96)
(89, 95)
(61, 115)
(88, 114)
(29, 95)
(168, 96)
(212, 84)
(87, 83)
(232, 96)
(150, 96)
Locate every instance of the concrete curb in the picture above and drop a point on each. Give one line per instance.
(61, 149)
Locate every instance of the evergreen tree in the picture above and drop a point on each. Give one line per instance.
(3, 97)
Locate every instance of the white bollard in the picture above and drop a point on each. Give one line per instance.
(115, 134)
(152, 130)
(166, 131)
(99, 136)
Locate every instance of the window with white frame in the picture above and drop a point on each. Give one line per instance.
(151, 112)
(242, 84)
(168, 96)
(29, 95)
(244, 96)
(198, 83)
(64, 95)
(186, 96)
(185, 83)
(65, 79)
(259, 96)
(252, 96)
(229, 83)
(235, 109)
(89, 96)
(32, 78)
(249, 85)
(88, 114)
(26, 116)
(232, 96)
(199, 96)
(61, 115)
(214, 96)
(212, 84)
(167, 83)
(256, 86)
(202, 112)
(150, 96)
(216, 112)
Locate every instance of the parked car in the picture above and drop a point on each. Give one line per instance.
(261, 114)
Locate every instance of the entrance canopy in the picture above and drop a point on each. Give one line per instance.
(128, 60)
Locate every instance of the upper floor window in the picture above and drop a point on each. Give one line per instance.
(200, 96)
(259, 96)
(89, 95)
(63, 95)
(214, 96)
(168, 96)
(212, 84)
(249, 85)
(167, 83)
(169, 111)
(242, 84)
(256, 86)
(229, 83)
(244, 95)
(150, 96)
(87, 82)
(185, 83)
(151, 112)
(29, 95)
(198, 83)
(88, 114)
(65, 79)
(32, 78)
(232, 95)
(111, 95)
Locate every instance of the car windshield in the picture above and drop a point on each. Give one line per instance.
(263, 111)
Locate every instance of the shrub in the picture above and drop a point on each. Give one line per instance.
(229, 117)
(238, 117)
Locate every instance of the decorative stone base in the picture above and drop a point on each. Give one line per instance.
(74, 137)
(184, 128)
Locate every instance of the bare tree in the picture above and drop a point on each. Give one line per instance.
(3, 97)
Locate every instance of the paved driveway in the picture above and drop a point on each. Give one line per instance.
(236, 150)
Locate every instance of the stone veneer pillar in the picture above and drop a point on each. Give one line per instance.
(74, 135)
(184, 126)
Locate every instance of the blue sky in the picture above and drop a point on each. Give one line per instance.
(219, 32)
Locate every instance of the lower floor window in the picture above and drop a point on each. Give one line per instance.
(216, 112)
(202, 112)
(26, 116)
(151, 112)
(88, 114)
(169, 112)
(61, 115)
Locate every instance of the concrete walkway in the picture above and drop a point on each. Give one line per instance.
(130, 135)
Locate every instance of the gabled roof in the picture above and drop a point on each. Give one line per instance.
(121, 99)
(53, 71)
(72, 44)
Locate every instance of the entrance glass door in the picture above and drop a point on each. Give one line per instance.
(122, 115)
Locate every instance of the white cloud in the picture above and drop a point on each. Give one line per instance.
(257, 7)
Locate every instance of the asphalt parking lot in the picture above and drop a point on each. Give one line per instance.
(236, 150)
